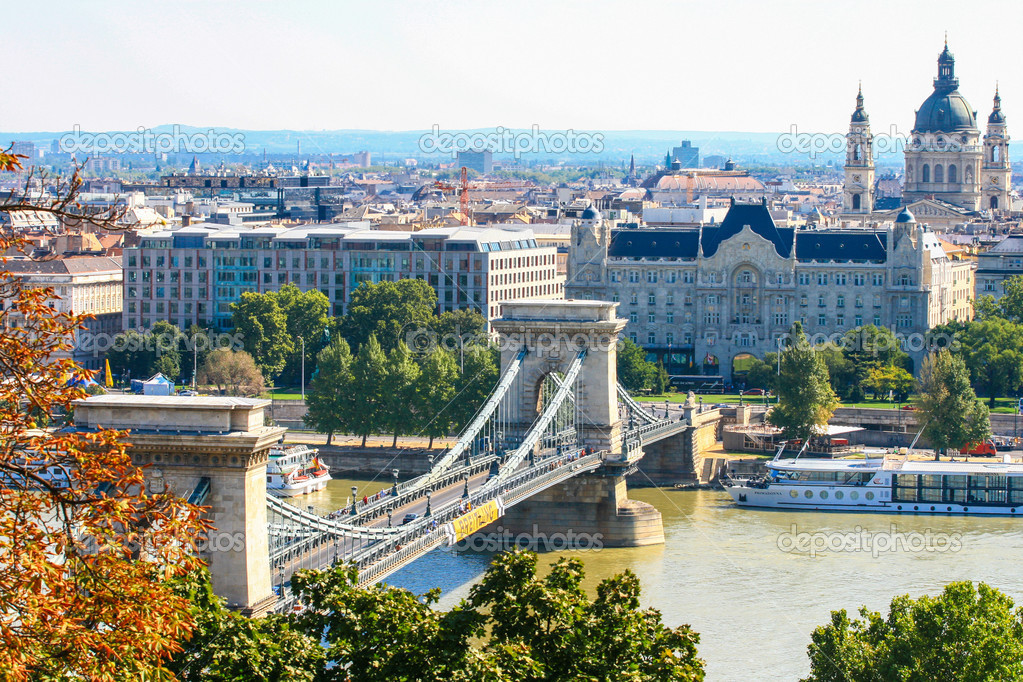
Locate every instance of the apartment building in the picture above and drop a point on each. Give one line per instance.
(193, 274)
(84, 285)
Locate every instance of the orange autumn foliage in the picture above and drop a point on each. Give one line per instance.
(86, 555)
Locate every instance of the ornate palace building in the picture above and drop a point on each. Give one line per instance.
(704, 298)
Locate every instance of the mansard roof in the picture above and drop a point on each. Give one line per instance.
(759, 219)
(654, 243)
(841, 245)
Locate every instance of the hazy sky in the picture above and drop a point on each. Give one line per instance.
(724, 65)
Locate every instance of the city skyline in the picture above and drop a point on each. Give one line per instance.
(559, 66)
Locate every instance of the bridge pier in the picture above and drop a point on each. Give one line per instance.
(587, 512)
(213, 451)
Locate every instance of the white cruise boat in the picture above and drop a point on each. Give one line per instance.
(892, 484)
(295, 470)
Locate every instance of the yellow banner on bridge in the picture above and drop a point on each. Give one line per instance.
(470, 522)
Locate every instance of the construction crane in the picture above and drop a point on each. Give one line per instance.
(463, 188)
(463, 194)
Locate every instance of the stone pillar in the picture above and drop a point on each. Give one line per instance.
(588, 512)
(183, 440)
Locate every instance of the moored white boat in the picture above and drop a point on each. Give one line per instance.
(295, 470)
(887, 484)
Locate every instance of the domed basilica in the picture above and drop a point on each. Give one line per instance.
(951, 170)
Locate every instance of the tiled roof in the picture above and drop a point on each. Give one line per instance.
(658, 243)
(758, 217)
(826, 245)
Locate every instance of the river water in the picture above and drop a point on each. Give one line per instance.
(751, 582)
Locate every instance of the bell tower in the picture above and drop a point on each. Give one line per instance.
(858, 196)
(996, 173)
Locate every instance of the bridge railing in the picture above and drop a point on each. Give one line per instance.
(416, 488)
(427, 533)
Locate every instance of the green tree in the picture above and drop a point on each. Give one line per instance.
(402, 380)
(993, 352)
(884, 380)
(264, 329)
(763, 373)
(841, 372)
(635, 372)
(1011, 303)
(143, 354)
(434, 394)
(391, 311)
(463, 327)
(307, 318)
(226, 647)
(947, 406)
(865, 348)
(661, 379)
(332, 398)
(369, 378)
(806, 400)
(985, 307)
(966, 634)
(514, 626)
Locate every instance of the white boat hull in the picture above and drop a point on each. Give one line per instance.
(853, 499)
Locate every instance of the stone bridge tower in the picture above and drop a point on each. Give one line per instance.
(212, 451)
(594, 507)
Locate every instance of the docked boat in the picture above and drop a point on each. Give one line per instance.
(295, 470)
(892, 484)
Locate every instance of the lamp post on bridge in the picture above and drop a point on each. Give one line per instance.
(429, 494)
(355, 492)
(389, 512)
(465, 491)
(429, 458)
(394, 488)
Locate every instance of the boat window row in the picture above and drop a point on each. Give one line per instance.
(836, 477)
(959, 488)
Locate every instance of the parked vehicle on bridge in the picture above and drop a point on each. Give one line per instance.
(409, 518)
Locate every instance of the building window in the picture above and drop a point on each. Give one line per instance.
(840, 279)
(858, 320)
(633, 276)
(651, 338)
(614, 297)
(903, 320)
(616, 276)
(822, 319)
(877, 320)
(651, 299)
(633, 317)
(669, 338)
(822, 279)
(651, 318)
(820, 301)
(633, 337)
(840, 301)
(669, 299)
(670, 317)
(878, 279)
(877, 300)
(634, 298)
(840, 320)
(671, 277)
(859, 301)
(781, 319)
(802, 301)
(687, 277)
(859, 279)
(651, 276)
(804, 278)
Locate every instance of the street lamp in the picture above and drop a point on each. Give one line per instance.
(389, 512)
(465, 490)
(302, 378)
(355, 491)
(429, 458)
(394, 489)
(429, 494)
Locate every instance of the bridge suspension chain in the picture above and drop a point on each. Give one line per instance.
(538, 428)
